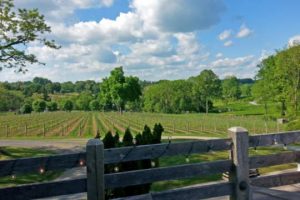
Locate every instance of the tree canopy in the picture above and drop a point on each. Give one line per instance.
(18, 29)
(117, 90)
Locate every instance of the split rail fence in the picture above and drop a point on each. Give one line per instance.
(95, 157)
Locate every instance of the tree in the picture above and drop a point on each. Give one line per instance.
(109, 140)
(10, 100)
(170, 97)
(270, 85)
(246, 90)
(83, 100)
(18, 29)
(94, 105)
(68, 105)
(147, 136)
(231, 88)
(208, 86)
(157, 132)
(39, 105)
(52, 106)
(26, 108)
(127, 139)
(117, 89)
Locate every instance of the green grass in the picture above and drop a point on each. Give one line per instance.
(212, 156)
(15, 153)
(243, 107)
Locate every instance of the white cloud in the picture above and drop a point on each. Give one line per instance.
(179, 15)
(244, 32)
(219, 55)
(228, 43)
(225, 34)
(107, 3)
(232, 62)
(293, 41)
(153, 36)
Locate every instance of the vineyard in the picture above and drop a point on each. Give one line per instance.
(86, 124)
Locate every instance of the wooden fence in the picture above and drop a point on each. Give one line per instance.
(95, 157)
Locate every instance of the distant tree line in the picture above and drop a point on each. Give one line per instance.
(120, 92)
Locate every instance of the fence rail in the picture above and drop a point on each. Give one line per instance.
(96, 157)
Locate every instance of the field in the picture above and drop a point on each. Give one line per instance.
(86, 124)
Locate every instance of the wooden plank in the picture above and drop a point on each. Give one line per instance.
(41, 190)
(95, 169)
(26, 165)
(276, 180)
(138, 177)
(190, 193)
(239, 175)
(274, 159)
(165, 149)
(275, 138)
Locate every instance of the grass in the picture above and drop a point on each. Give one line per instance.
(213, 156)
(7, 153)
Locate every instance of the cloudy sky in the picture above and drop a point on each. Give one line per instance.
(159, 39)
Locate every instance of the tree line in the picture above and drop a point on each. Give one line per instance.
(278, 80)
(120, 92)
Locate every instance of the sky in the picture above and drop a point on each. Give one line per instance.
(159, 39)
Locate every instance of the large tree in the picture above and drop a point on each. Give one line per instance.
(19, 29)
(117, 89)
(208, 86)
(231, 88)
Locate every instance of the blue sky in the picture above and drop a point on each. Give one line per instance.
(160, 39)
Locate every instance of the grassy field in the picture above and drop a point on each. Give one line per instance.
(213, 156)
(14, 153)
(85, 125)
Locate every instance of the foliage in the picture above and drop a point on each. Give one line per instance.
(26, 108)
(83, 101)
(39, 105)
(18, 29)
(208, 86)
(157, 133)
(172, 97)
(10, 100)
(127, 138)
(94, 105)
(68, 105)
(52, 106)
(231, 88)
(279, 79)
(111, 141)
(117, 89)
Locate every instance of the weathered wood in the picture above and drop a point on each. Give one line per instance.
(41, 190)
(166, 149)
(276, 180)
(26, 165)
(275, 138)
(239, 175)
(190, 193)
(274, 159)
(138, 177)
(95, 169)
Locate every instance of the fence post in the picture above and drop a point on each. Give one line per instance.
(95, 169)
(239, 175)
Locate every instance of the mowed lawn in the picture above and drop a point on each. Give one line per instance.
(7, 153)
